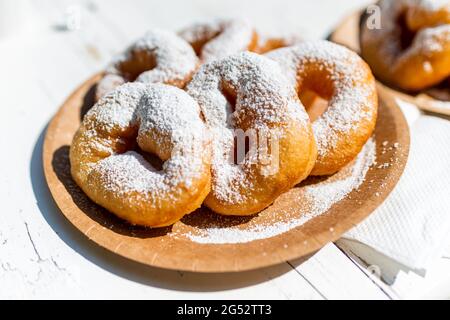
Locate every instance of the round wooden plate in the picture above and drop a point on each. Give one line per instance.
(160, 248)
(347, 34)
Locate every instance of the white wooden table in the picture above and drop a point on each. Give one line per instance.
(43, 256)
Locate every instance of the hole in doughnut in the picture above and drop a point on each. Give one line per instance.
(315, 105)
(229, 94)
(140, 62)
(242, 141)
(200, 43)
(152, 158)
(407, 36)
(315, 88)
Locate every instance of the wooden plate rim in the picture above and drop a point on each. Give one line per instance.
(177, 254)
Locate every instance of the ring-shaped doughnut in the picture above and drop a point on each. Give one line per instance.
(246, 96)
(164, 121)
(340, 76)
(411, 49)
(158, 57)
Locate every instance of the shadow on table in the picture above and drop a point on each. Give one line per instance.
(156, 277)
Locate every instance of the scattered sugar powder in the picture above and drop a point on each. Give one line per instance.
(313, 200)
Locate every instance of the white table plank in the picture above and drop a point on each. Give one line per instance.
(335, 276)
(403, 283)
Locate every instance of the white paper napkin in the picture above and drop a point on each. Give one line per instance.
(412, 226)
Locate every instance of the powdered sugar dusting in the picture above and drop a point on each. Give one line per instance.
(123, 173)
(116, 109)
(170, 60)
(175, 59)
(219, 37)
(166, 121)
(315, 199)
(429, 41)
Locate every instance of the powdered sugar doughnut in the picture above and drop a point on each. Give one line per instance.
(220, 38)
(164, 121)
(411, 50)
(158, 57)
(342, 77)
(248, 104)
